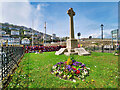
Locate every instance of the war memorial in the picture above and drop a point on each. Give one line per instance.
(73, 63)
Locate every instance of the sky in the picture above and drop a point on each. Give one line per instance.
(87, 20)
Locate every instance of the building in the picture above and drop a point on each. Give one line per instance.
(7, 37)
(0, 27)
(27, 33)
(54, 37)
(25, 41)
(47, 37)
(2, 32)
(14, 41)
(25, 28)
(13, 32)
(115, 34)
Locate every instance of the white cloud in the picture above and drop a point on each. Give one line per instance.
(16, 13)
(0, 11)
(14, 0)
(88, 27)
(21, 13)
(38, 7)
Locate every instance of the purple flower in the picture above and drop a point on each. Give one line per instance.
(73, 60)
(74, 70)
(69, 66)
(74, 64)
(60, 63)
(55, 65)
(77, 62)
(79, 69)
(82, 65)
(70, 69)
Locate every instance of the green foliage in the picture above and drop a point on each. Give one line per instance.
(116, 51)
(96, 43)
(71, 57)
(34, 71)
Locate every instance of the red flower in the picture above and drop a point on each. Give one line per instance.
(77, 72)
(66, 62)
(73, 68)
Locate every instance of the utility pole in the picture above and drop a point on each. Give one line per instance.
(32, 32)
(45, 34)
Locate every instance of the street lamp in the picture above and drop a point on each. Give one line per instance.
(79, 34)
(102, 35)
(102, 31)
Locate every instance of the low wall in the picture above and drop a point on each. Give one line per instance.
(56, 44)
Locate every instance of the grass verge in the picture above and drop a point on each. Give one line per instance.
(34, 71)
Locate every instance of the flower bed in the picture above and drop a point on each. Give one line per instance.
(70, 70)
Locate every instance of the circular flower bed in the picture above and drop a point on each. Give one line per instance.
(70, 70)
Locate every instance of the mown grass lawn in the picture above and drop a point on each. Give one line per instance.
(34, 71)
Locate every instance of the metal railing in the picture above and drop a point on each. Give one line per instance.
(9, 59)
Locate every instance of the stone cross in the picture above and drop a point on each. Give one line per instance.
(71, 13)
(72, 43)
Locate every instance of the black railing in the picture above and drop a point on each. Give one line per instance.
(9, 59)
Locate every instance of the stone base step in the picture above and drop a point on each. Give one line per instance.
(70, 53)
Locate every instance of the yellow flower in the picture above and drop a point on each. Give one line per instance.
(92, 80)
(18, 71)
(8, 75)
(3, 79)
(11, 75)
(29, 75)
(69, 61)
(111, 81)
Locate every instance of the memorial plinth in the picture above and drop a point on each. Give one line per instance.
(72, 43)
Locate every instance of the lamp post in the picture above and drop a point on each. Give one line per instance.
(79, 34)
(117, 36)
(102, 35)
(102, 31)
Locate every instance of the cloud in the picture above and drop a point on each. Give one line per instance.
(38, 7)
(14, 0)
(0, 11)
(91, 27)
(16, 13)
(22, 13)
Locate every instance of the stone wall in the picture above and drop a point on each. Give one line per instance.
(87, 43)
(56, 44)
